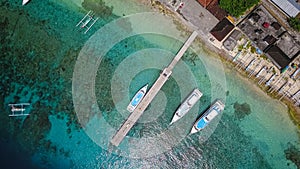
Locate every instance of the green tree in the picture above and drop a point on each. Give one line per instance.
(253, 49)
(240, 48)
(237, 7)
(295, 23)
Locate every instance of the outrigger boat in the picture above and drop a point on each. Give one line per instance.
(18, 109)
(137, 98)
(187, 105)
(86, 20)
(25, 2)
(208, 116)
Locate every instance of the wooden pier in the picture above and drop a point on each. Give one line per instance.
(136, 114)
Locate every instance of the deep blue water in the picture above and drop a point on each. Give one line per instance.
(14, 156)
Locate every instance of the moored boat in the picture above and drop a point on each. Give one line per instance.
(187, 104)
(208, 116)
(137, 98)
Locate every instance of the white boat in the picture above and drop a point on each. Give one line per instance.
(187, 104)
(137, 98)
(206, 118)
(25, 2)
(18, 109)
(87, 21)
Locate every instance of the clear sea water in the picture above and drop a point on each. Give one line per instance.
(40, 51)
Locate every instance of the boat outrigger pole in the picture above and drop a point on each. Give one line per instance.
(18, 109)
(86, 20)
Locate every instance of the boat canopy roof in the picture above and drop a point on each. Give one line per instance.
(212, 115)
(183, 109)
(193, 99)
(137, 98)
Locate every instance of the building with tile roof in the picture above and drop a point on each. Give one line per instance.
(222, 29)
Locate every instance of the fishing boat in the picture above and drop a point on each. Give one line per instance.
(187, 104)
(208, 116)
(18, 109)
(25, 2)
(87, 21)
(137, 98)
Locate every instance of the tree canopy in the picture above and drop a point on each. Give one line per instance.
(295, 23)
(237, 7)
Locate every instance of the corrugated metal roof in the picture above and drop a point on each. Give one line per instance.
(290, 7)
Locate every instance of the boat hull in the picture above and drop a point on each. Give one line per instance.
(137, 98)
(24, 2)
(187, 104)
(208, 116)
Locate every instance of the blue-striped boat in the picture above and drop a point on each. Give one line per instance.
(137, 98)
(206, 118)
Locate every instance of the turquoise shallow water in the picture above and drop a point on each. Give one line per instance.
(39, 49)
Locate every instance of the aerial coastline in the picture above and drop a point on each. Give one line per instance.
(54, 137)
(203, 42)
(184, 25)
